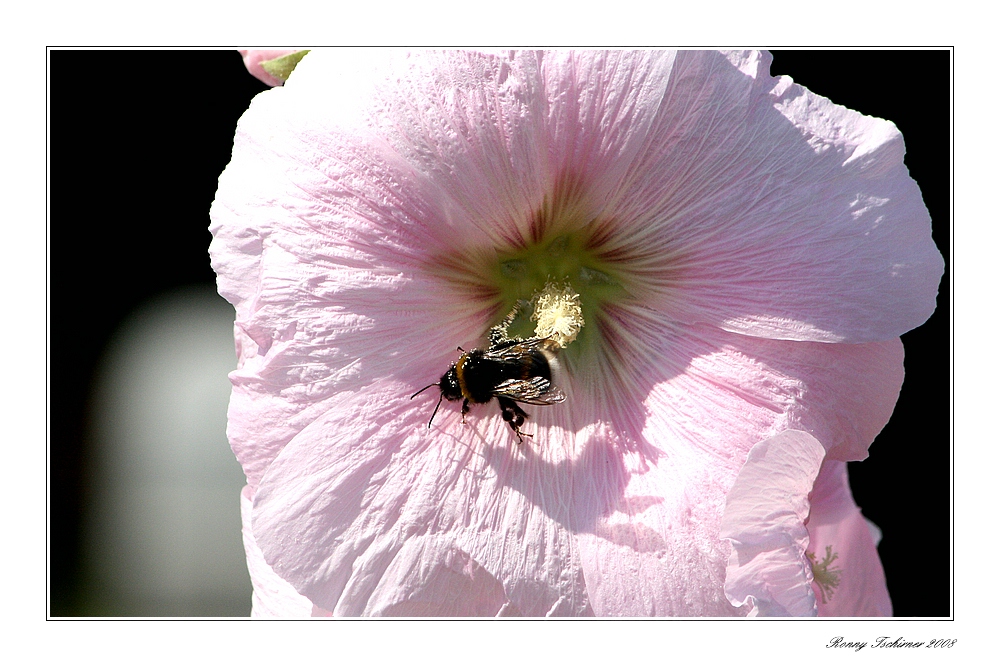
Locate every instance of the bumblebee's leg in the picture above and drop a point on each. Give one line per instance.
(519, 414)
(507, 410)
(465, 409)
(513, 415)
(506, 413)
(509, 417)
(519, 417)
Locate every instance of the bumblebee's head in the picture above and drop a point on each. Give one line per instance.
(450, 388)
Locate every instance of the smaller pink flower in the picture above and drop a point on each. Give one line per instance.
(254, 60)
(853, 582)
(800, 544)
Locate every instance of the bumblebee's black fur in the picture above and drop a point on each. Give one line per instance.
(511, 370)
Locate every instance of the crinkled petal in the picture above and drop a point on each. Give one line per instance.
(836, 522)
(765, 209)
(765, 519)
(273, 597)
(326, 268)
(656, 552)
(429, 576)
(337, 508)
(734, 391)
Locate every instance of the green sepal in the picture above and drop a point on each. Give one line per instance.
(281, 68)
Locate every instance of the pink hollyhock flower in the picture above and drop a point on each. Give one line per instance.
(745, 253)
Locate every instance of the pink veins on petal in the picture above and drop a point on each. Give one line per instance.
(746, 254)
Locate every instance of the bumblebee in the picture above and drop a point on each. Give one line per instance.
(510, 370)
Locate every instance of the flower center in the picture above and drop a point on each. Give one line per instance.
(556, 275)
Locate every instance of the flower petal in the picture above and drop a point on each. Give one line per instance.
(313, 260)
(338, 506)
(765, 519)
(429, 576)
(273, 597)
(657, 552)
(771, 211)
(723, 392)
(836, 522)
(507, 154)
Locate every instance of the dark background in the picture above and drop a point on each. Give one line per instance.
(138, 140)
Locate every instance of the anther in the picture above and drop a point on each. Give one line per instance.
(558, 313)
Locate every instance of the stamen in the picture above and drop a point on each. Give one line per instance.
(558, 313)
(827, 578)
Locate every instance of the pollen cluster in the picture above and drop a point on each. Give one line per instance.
(558, 312)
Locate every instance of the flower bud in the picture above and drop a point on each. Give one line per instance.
(272, 66)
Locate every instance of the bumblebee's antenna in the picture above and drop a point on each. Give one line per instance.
(435, 411)
(433, 384)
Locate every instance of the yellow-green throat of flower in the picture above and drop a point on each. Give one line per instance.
(564, 283)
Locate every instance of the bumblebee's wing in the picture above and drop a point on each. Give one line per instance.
(513, 349)
(534, 390)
